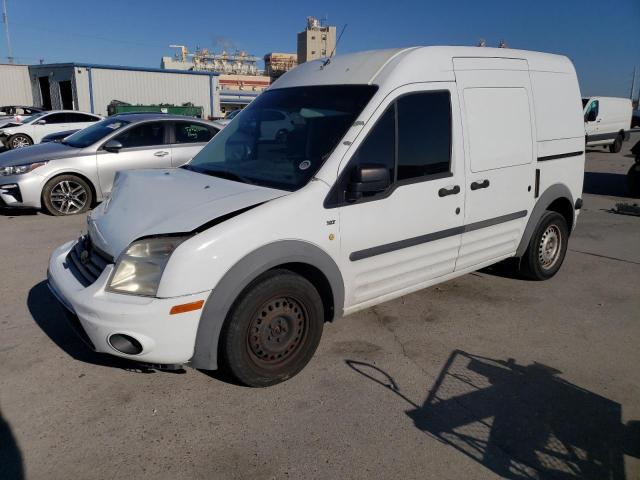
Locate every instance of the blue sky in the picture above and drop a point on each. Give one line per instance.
(602, 38)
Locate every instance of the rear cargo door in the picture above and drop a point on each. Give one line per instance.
(498, 128)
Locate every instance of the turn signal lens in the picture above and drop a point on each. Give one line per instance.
(186, 307)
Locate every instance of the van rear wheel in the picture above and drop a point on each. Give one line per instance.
(616, 146)
(547, 248)
(273, 329)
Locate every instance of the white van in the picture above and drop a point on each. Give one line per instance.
(607, 121)
(405, 168)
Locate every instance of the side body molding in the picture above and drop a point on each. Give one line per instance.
(551, 194)
(241, 274)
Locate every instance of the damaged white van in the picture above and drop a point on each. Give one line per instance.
(397, 170)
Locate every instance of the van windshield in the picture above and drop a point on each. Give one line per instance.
(283, 137)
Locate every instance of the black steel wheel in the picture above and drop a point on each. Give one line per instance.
(273, 329)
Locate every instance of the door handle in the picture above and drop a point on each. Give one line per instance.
(443, 192)
(479, 185)
(161, 153)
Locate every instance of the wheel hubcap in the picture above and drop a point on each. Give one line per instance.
(277, 331)
(550, 245)
(68, 197)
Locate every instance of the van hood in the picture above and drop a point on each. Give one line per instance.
(42, 152)
(165, 201)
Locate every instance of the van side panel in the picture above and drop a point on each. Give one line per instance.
(560, 140)
(558, 106)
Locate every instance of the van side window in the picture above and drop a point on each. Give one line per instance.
(592, 113)
(379, 146)
(424, 134)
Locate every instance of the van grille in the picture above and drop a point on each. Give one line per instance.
(87, 262)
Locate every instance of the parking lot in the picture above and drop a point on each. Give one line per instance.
(485, 376)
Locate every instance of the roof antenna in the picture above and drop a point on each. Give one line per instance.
(328, 60)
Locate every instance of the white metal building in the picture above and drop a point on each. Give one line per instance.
(15, 86)
(90, 87)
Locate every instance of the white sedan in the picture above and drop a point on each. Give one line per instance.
(33, 129)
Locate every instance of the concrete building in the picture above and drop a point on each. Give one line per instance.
(15, 86)
(90, 87)
(316, 41)
(275, 64)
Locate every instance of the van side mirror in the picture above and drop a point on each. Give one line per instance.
(368, 178)
(113, 146)
(592, 115)
(40, 122)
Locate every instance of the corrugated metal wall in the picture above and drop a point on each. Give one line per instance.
(15, 85)
(141, 87)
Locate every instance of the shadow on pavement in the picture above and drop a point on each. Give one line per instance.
(11, 466)
(610, 184)
(17, 212)
(50, 317)
(520, 421)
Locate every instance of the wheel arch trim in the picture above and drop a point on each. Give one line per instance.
(236, 279)
(551, 194)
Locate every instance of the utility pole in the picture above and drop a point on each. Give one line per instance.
(633, 83)
(5, 20)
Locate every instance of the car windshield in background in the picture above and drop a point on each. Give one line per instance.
(31, 118)
(97, 131)
(284, 136)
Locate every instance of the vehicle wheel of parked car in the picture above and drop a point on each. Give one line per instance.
(19, 141)
(547, 248)
(616, 146)
(633, 180)
(66, 195)
(273, 329)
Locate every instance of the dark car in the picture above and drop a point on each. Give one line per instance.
(57, 136)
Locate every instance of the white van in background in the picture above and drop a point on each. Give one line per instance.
(607, 121)
(404, 168)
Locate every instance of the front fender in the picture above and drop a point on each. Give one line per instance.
(241, 274)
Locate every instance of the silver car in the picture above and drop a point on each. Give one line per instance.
(69, 177)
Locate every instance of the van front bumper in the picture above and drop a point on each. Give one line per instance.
(97, 315)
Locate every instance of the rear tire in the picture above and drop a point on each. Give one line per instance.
(547, 248)
(19, 140)
(66, 195)
(616, 146)
(273, 329)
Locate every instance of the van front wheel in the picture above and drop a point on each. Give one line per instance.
(547, 248)
(273, 329)
(616, 146)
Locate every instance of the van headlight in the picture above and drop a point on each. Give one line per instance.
(139, 269)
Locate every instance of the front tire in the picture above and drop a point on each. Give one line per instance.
(547, 248)
(616, 146)
(66, 195)
(19, 141)
(273, 329)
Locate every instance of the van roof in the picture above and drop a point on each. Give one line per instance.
(407, 65)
